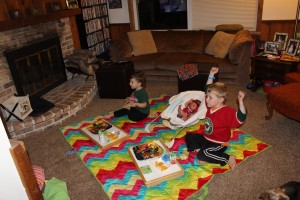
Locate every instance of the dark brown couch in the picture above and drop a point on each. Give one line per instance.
(175, 48)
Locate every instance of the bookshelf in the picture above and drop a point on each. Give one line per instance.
(93, 27)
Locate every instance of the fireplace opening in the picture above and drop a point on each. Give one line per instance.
(36, 69)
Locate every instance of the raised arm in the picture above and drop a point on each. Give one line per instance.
(241, 97)
(211, 76)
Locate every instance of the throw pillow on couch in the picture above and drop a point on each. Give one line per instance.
(219, 44)
(142, 42)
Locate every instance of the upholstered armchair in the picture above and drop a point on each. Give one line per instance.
(285, 99)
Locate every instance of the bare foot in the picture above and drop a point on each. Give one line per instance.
(232, 162)
(197, 150)
(201, 162)
(109, 115)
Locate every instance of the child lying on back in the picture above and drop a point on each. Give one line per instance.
(191, 107)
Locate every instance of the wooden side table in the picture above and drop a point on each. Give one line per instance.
(113, 79)
(268, 69)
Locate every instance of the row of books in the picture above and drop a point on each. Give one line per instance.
(101, 47)
(98, 37)
(96, 24)
(94, 12)
(85, 3)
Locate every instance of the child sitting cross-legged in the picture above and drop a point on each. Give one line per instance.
(213, 138)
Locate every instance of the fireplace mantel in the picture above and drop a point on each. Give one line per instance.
(32, 20)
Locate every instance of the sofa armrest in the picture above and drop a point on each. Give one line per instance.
(241, 39)
(243, 68)
(120, 49)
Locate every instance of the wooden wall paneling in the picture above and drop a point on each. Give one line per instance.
(259, 14)
(131, 15)
(268, 28)
(3, 11)
(75, 34)
(117, 30)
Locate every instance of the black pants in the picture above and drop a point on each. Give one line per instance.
(209, 152)
(133, 114)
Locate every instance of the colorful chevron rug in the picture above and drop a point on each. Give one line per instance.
(117, 174)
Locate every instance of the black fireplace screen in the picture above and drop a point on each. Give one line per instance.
(37, 68)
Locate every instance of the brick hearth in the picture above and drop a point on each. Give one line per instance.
(69, 98)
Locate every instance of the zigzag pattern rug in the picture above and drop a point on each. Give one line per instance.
(117, 174)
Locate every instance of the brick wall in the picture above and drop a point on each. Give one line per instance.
(17, 38)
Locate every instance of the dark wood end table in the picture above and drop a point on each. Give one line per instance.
(268, 69)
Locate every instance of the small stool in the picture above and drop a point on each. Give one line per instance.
(284, 99)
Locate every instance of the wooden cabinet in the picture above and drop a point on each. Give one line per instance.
(93, 27)
(268, 69)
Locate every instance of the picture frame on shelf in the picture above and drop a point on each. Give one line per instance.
(298, 52)
(16, 14)
(292, 47)
(55, 6)
(282, 38)
(113, 4)
(34, 11)
(72, 4)
(272, 47)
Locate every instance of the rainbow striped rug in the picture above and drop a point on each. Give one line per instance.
(117, 174)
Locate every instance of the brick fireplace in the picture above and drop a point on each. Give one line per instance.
(16, 38)
(65, 107)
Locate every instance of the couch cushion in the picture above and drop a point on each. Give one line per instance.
(219, 44)
(145, 62)
(171, 61)
(239, 40)
(159, 38)
(184, 41)
(142, 42)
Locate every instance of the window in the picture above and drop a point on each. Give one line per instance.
(206, 14)
(199, 14)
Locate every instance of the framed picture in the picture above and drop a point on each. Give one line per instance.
(298, 52)
(272, 47)
(55, 6)
(34, 10)
(71, 4)
(282, 39)
(115, 4)
(292, 47)
(16, 14)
